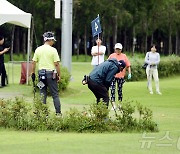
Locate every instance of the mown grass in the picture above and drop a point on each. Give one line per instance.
(165, 110)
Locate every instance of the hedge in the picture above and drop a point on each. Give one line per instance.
(20, 115)
(168, 66)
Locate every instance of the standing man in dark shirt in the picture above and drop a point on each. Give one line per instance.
(2, 66)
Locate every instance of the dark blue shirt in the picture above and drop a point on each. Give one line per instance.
(104, 73)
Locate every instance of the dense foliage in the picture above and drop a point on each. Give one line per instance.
(20, 115)
(65, 79)
(168, 66)
(134, 23)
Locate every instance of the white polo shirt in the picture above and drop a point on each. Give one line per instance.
(95, 60)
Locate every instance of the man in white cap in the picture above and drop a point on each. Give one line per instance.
(48, 69)
(119, 77)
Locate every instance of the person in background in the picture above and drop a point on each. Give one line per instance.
(152, 58)
(100, 78)
(98, 53)
(49, 70)
(3, 50)
(119, 77)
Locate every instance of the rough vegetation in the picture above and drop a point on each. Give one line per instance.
(20, 115)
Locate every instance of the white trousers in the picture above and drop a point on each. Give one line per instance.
(152, 72)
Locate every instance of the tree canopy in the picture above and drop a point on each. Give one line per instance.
(135, 23)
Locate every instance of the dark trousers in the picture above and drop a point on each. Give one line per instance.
(100, 91)
(3, 74)
(53, 87)
(120, 82)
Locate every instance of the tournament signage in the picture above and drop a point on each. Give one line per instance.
(96, 26)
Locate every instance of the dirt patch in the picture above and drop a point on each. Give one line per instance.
(9, 95)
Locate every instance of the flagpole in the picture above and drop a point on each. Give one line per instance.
(98, 46)
(96, 29)
(98, 49)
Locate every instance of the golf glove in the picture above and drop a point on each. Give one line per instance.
(85, 80)
(129, 76)
(33, 76)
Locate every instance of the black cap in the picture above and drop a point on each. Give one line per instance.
(1, 37)
(121, 63)
(49, 36)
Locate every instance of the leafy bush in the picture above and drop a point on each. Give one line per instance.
(4, 113)
(17, 114)
(39, 117)
(75, 121)
(145, 119)
(126, 120)
(65, 79)
(168, 66)
(14, 114)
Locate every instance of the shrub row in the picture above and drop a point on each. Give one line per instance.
(168, 66)
(19, 115)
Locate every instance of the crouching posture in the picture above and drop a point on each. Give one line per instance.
(99, 80)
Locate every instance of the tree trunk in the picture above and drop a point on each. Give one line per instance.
(77, 48)
(145, 37)
(12, 43)
(103, 36)
(133, 44)
(125, 40)
(145, 50)
(24, 45)
(115, 30)
(85, 43)
(170, 40)
(108, 45)
(129, 42)
(17, 41)
(152, 38)
(177, 43)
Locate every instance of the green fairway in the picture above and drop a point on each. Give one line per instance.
(165, 107)
(14, 142)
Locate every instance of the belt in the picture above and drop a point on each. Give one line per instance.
(47, 70)
(152, 65)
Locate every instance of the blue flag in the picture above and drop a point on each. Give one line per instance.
(96, 26)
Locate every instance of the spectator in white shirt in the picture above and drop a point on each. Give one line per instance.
(152, 59)
(98, 53)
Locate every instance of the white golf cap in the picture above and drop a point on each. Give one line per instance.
(118, 46)
(49, 38)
